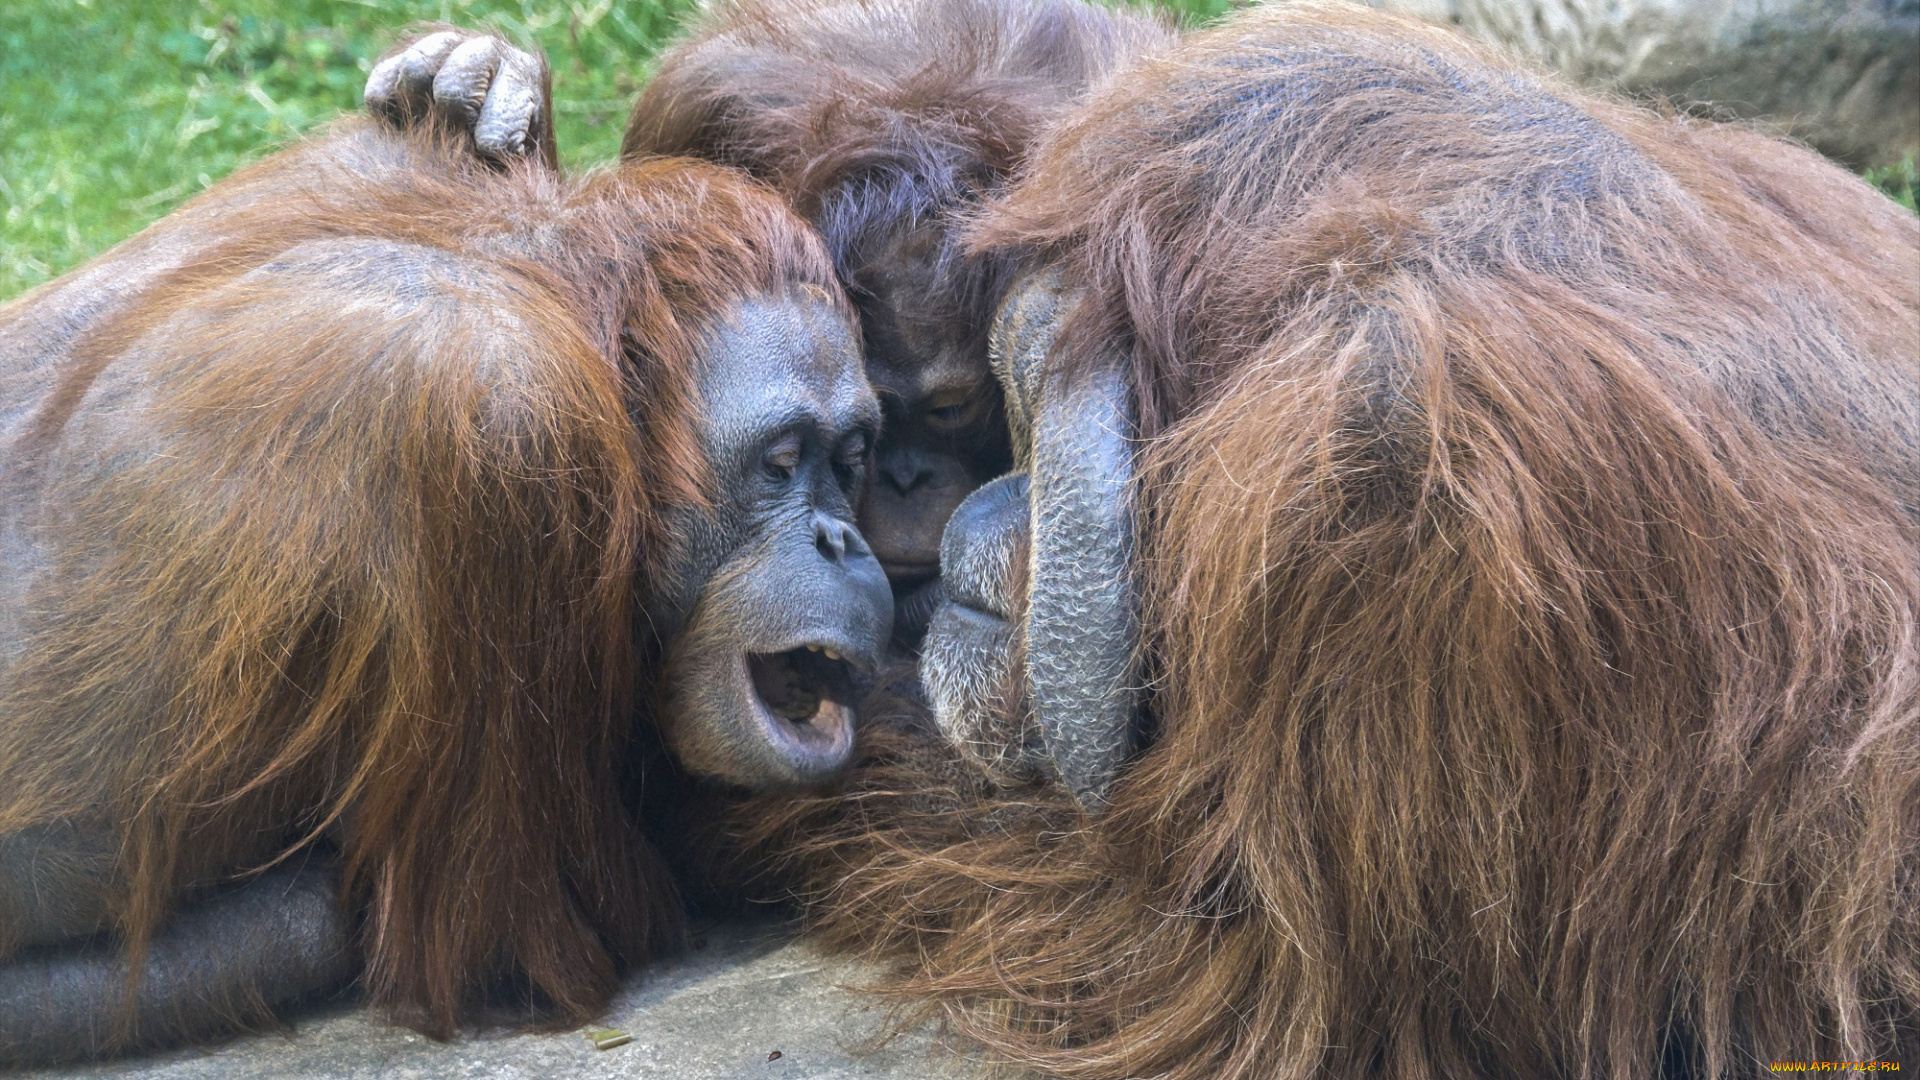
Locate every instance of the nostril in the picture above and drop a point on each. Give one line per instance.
(831, 538)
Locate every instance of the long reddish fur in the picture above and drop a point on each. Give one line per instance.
(1531, 576)
(443, 668)
(867, 115)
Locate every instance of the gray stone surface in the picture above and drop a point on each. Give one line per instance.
(715, 1013)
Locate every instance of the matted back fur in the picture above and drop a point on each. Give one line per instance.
(867, 114)
(1530, 533)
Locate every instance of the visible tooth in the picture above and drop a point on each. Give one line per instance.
(831, 655)
(813, 648)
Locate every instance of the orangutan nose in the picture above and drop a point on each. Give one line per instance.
(903, 470)
(837, 540)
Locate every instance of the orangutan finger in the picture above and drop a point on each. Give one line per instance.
(460, 88)
(510, 121)
(1074, 432)
(1023, 333)
(400, 87)
(1081, 624)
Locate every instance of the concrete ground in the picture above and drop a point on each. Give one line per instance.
(716, 1013)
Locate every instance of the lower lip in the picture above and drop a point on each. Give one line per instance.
(832, 719)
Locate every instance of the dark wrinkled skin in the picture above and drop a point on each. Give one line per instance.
(775, 563)
(1060, 535)
(778, 564)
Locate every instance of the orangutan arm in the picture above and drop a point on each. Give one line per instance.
(220, 965)
(255, 527)
(235, 458)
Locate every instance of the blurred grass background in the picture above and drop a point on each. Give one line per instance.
(113, 112)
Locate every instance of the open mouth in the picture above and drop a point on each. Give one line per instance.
(806, 705)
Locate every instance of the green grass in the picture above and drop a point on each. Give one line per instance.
(1901, 181)
(113, 112)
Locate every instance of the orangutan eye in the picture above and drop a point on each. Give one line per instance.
(782, 460)
(953, 412)
(853, 450)
(850, 459)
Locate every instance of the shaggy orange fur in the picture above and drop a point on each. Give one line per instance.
(408, 620)
(885, 123)
(1530, 546)
(873, 114)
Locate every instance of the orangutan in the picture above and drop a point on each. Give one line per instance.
(1458, 614)
(372, 530)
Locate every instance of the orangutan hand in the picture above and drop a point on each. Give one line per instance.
(471, 82)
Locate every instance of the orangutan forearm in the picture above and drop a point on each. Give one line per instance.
(219, 965)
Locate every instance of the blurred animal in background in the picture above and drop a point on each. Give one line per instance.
(1844, 75)
(1459, 611)
(371, 530)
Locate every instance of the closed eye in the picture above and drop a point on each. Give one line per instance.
(854, 449)
(850, 458)
(953, 413)
(782, 460)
